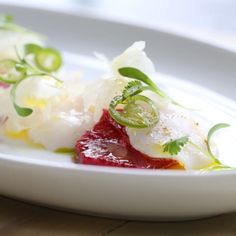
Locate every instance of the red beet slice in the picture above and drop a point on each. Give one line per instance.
(107, 144)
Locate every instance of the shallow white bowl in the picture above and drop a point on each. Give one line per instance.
(52, 179)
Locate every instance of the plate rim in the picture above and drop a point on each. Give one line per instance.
(104, 18)
(114, 170)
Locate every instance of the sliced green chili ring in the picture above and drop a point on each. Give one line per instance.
(134, 115)
(48, 60)
(10, 72)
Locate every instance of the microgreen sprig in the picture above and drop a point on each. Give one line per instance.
(144, 114)
(134, 73)
(45, 62)
(210, 134)
(139, 111)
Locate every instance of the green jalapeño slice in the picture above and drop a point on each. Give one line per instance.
(138, 111)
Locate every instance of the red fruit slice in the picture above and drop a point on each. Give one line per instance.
(107, 144)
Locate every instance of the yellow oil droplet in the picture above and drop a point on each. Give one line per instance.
(158, 148)
(65, 150)
(178, 166)
(35, 102)
(35, 145)
(22, 135)
(91, 109)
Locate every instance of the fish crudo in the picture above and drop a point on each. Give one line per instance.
(123, 119)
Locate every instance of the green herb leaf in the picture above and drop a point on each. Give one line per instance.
(14, 72)
(134, 73)
(132, 84)
(21, 111)
(138, 111)
(134, 87)
(174, 146)
(46, 60)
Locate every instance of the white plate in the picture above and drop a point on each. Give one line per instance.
(50, 179)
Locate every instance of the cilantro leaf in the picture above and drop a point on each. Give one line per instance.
(175, 146)
(133, 87)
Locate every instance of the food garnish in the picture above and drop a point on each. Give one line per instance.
(45, 61)
(138, 110)
(35, 61)
(217, 165)
(210, 134)
(174, 146)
